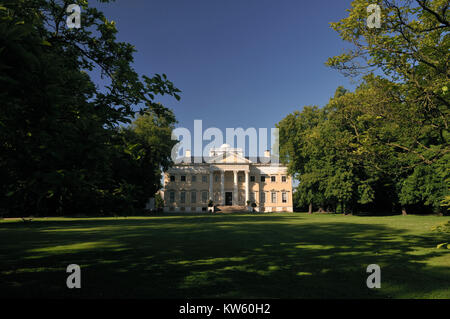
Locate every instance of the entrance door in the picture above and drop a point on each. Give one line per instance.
(228, 198)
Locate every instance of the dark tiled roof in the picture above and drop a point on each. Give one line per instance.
(205, 159)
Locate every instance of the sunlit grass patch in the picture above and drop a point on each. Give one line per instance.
(71, 248)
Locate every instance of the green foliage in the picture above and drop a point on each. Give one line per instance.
(61, 148)
(385, 145)
(159, 202)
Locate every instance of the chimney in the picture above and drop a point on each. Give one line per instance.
(188, 153)
(267, 153)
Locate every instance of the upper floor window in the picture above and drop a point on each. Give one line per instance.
(240, 178)
(283, 179)
(263, 178)
(204, 178)
(172, 178)
(273, 179)
(193, 178)
(252, 178)
(216, 178)
(183, 178)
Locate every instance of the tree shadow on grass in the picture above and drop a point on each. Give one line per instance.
(213, 257)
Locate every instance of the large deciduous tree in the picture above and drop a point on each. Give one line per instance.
(412, 50)
(388, 140)
(60, 140)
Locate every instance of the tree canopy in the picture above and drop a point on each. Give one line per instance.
(385, 146)
(66, 146)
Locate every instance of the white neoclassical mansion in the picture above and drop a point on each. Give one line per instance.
(228, 178)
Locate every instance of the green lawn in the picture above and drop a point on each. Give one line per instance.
(226, 256)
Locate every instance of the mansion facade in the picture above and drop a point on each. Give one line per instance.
(228, 179)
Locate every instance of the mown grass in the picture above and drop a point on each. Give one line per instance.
(225, 256)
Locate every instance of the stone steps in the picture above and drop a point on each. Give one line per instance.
(231, 209)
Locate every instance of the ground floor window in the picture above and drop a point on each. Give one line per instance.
(284, 197)
(204, 197)
(193, 197)
(274, 197)
(172, 197)
(183, 197)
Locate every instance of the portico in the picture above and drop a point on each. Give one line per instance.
(231, 169)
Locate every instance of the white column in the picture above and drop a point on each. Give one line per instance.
(211, 197)
(235, 191)
(247, 186)
(222, 187)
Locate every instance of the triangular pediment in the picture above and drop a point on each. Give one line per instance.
(230, 158)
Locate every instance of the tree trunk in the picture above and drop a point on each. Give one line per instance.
(310, 208)
(404, 211)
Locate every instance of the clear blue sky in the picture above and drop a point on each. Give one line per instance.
(239, 63)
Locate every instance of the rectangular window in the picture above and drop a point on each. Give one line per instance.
(272, 179)
(283, 179)
(183, 178)
(204, 197)
(183, 197)
(193, 178)
(262, 197)
(252, 178)
(172, 197)
(263, 178)
(193, 197)
(204, 178)
(216, 178)
(240, 178)
(274, 197)
(252, 197)
(284, 197)
(172, 178)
